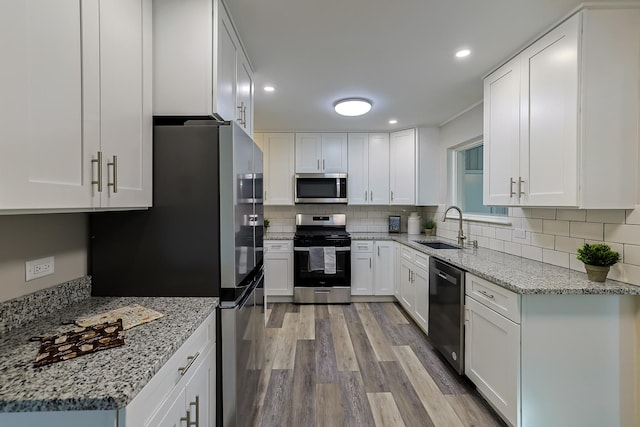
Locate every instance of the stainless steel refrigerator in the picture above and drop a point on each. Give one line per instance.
(202, 237)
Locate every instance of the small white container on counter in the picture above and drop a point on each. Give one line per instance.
(413, 224)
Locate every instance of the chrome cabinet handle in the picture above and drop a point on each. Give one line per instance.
(486, 294)
(183, 370)
(371, 198)
(365, 195)
(323, 164)
(242, 120)
(392, 195)
(520, 182)
(197, 405)
(114, 184)
(99, 180)
(318, 162)
(369, 263)
(511, 192)
(186, 419)
(378, 250)
(265, 194)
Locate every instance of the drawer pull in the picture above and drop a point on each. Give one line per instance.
(197, 405)
(486, 294)
(190, 361)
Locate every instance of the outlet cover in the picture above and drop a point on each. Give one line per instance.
(39, 267)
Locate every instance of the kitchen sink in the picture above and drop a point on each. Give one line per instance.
(436, 244)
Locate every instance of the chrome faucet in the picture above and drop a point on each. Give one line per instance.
(461, 235)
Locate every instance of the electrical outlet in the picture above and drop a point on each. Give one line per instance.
(39, 268)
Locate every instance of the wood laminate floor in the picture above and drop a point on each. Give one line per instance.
(363, 364)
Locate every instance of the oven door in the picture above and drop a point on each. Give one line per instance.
(302, 277)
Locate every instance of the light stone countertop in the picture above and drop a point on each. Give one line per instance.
(520, 275)
(278, 236)
(105, 380)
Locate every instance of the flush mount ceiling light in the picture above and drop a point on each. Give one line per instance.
(352, 106)
(269, 88)
(393, 121)
(462, 53)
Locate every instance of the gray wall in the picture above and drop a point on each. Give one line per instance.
(27, 237)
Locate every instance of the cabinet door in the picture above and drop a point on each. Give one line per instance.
(402, 168)
(492, 357)
(358, 159)
(278, 274)
(45, 159)
(361, 273)
(421, 289)
(200, 393)
(502, 135)
(549, 125)
(125, 102)
(384, 273)
(308, 152)
(334, 153)
(171, 412)
(278, 168)
(378, 169)
(225, 56)
(407, 295)
(244, 88)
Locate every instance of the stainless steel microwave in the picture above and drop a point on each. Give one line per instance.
(321, 188)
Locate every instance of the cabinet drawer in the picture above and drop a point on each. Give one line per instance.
(497, 298)
(277, 246)
(362, 246)
(407, 253)
(422, 260)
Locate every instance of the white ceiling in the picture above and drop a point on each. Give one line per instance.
(397, 53)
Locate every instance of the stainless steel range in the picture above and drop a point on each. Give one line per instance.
(321, 259)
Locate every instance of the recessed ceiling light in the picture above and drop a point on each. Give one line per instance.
(393, 122)
(269, 88)
(462, 53)
(352, 106)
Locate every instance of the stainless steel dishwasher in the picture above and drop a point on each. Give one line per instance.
(446, 311)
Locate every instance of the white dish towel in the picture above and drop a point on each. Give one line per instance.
(316, 259)
(329, 260)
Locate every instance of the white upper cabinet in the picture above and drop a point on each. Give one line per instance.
(561, 118)
(427, 166)
(200, 67)
(278, 151)
(368, 162)
(82, 74)
(321, 153)
(402, 167)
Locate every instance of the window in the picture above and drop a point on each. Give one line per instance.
(467, 181)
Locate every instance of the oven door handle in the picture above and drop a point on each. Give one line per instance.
(338, 249)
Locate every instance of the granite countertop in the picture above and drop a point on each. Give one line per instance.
(278, 236)
(520, 275)
(105, 380)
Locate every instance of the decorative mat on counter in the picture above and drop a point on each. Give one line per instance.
(131, 315)
(78, 342)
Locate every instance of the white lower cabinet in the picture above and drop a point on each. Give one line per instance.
(414, 285)
(551, 360)
(278, 267)
(492, 356)
(372, 267)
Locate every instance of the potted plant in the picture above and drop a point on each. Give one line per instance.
(429, 227)
(597, 259)
(266, 223)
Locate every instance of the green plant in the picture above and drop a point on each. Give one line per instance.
(598, 254)
(266, 223)
(429, 224)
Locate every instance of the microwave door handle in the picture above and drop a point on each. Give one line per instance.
(337, 187)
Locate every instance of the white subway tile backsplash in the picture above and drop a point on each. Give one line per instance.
(621, 233)
(576, 265)
(587, 230)
(611, 216)
(568, 244)
(517, 212)
(489, 232)
(631, 254)
(504, 234)
(625, 273)
(532, 224)
(571, 214)
(526, 240)
(542, 213)
(632, 216)
(558, 228)
(532, 252)
(513, 248)
(546, 241)
(496, 245)
(560, 259)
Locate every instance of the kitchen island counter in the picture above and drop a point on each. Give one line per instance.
(104, 380)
